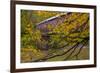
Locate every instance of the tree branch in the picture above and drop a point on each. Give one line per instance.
(71, 53)
(44, 59)
(80, 50)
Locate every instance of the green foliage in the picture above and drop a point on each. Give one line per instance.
(74, 29)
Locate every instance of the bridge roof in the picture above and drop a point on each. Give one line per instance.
(49, 19)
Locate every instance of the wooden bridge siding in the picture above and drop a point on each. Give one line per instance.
(53, 22)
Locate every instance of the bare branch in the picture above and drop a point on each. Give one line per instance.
(71, 53)
(44, 59)
(80, 49)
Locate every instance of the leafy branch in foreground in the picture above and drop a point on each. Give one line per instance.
(80, 49)
(44, 59)
(72, 48)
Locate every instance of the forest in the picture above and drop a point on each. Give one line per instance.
(54, 36)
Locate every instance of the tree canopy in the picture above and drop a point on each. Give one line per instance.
(66, 37)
